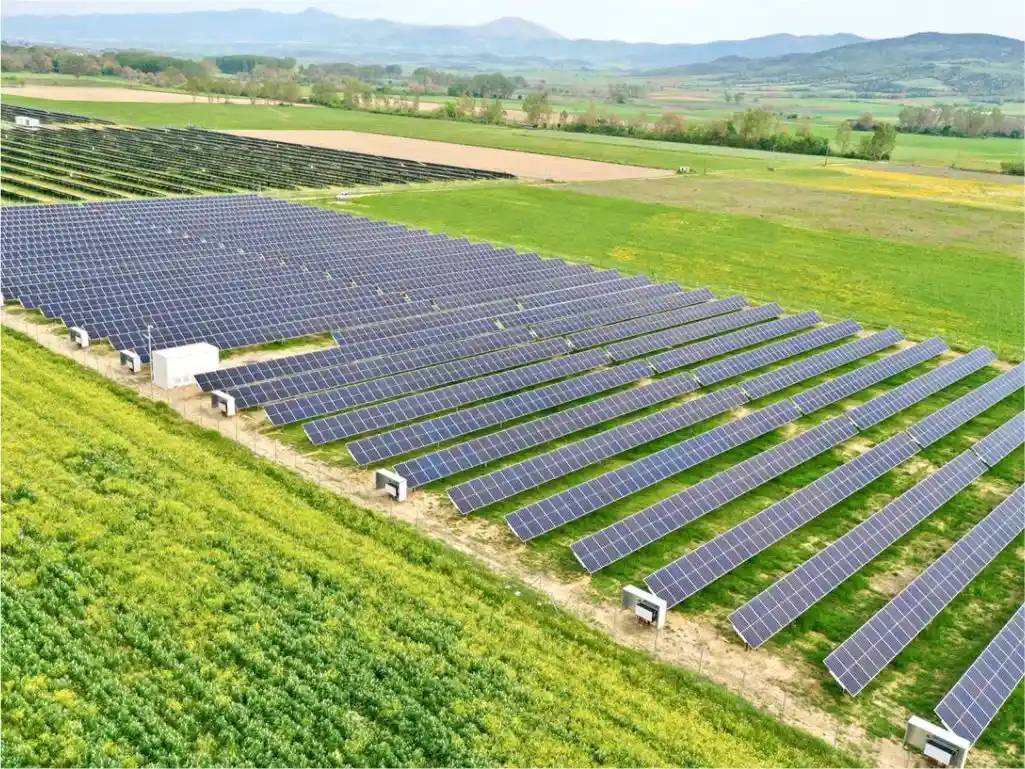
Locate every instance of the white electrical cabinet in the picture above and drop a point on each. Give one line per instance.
(178, 366)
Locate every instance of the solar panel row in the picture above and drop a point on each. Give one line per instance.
(508, 482)
(633, 348)
(779, 605)
(433, 431)
(610, 544)
(859, 659)
(386, 388)
(975, 699)
(738, 340)
(700, 567)
(406, 409)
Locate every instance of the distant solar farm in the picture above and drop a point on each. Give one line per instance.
(493, 375)
(80, 163)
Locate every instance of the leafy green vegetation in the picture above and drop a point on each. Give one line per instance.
(171, 599)
(968, 297)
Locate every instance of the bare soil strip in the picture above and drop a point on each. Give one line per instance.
(523, 164)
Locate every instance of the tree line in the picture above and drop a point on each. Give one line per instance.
(948, 120)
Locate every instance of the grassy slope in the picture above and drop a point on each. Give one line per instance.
(169, 598)
(969, 297)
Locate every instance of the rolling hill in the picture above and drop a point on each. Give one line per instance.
(314, 34)
(925, 64)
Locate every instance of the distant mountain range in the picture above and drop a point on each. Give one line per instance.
(509, 43)
(926, 64)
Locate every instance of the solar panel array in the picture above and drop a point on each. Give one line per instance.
(779, 605)
(700, 567)
(453, 355)
(240, 270)
(975, 699)
(199, 160)
(626, 536)
(859, 659)
(515, 439)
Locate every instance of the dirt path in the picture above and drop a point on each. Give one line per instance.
(688, 642)
(524, 164)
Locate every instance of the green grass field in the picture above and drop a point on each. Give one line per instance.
(171, 599)
(970, 297)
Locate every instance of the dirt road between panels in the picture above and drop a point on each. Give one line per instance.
(524, 164)
(112, 94)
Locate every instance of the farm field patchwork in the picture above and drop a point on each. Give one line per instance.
(984, 154)
(137, 545)
(971, 297)
(229, 117)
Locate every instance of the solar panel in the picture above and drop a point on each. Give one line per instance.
(1002, 441)
(488, 448)
(433, 431)
(585, 498)
(859, 659)
(641, 345)
(373, 418)
(235, 377)
(767, 613)
(973, 702)
(268, 391)
(711, 373)
(942, 422)
(629, 535)
(781, 379)
(648, 323)
(598, 492)
(398, 385)
(720, 345)
(701, 567)
(521, 437)
(899, 398)
(633, 309)
(843, 386)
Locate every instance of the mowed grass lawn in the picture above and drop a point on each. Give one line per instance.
(170, 599)
(970, 297)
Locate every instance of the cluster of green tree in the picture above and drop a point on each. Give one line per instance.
(244, 62)
(948, 120)
(146, 61)
(878, 145)
(621, 93)
(270, 90)
(44, 61)
(316, 73)
(490, 86)
(136, 66)
(1013, 167)
(758, 129)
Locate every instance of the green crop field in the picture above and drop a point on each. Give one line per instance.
(171, 599)
(970, 297)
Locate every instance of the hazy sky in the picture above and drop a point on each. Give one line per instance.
(664, 21)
